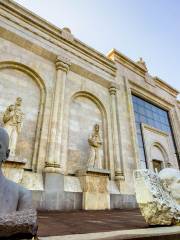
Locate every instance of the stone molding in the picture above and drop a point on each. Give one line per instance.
(150, 142)
(52, 168)
(150, 80)
(63, 63)
(52, 165)
(119, 175)
(127, 62)
(93, 171)
(140, 68)
(149, 95)
(166, 87)
(155, 130)
(9, 9)
(53, 34)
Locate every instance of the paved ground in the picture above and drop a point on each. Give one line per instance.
(79, 222)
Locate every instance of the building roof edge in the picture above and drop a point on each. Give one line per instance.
(34, 20)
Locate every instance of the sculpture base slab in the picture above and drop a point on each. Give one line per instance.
(95, 184)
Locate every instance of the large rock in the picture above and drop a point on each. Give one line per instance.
(156, 204)
(21, 223)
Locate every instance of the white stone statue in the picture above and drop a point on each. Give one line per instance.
(95, 143)
(157, 205)
(12, 119)
(170, 179)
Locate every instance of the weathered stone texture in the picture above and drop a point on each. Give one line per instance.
(95, 187)
(22, 222)
(156, 204)
(83, 115)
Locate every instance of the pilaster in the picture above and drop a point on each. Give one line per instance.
(116, 145)
(53, 163)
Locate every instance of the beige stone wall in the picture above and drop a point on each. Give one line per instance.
(126, 131)
(84, 114)
(86, 103)
(31, 77)
(132, 82)
(162, 141)
(67, 87)
(13, 84)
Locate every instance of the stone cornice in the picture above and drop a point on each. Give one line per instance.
(135, 67)
(48, 31)
(144, 93)
(166, 87)
(127, 62)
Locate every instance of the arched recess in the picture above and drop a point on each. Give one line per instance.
(85, 110)
(158, 153)
(23, 69)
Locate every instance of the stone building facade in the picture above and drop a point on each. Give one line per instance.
(66, 88)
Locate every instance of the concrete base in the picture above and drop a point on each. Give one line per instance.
(54, 197)
(123, 201)
(74, 201)
(92, 194)
(95, 185)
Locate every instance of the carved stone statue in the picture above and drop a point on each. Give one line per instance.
(16, 212)
(95, 143)
(12, 120)
(156, 204)
(170, 179)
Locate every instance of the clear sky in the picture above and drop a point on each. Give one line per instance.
(137, 28)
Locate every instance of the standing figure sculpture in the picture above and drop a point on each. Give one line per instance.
(95, 144)
(12, 120)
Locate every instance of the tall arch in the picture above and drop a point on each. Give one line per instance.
(41, 86)
(85, 110)
(158, 152)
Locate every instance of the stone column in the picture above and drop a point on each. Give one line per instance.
(116, 147)
(53, 163)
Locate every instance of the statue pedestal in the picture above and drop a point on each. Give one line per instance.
(13, 169)
(95, 184)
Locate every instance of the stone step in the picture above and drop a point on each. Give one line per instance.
(158, 233)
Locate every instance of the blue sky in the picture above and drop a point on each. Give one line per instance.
(137, 28)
